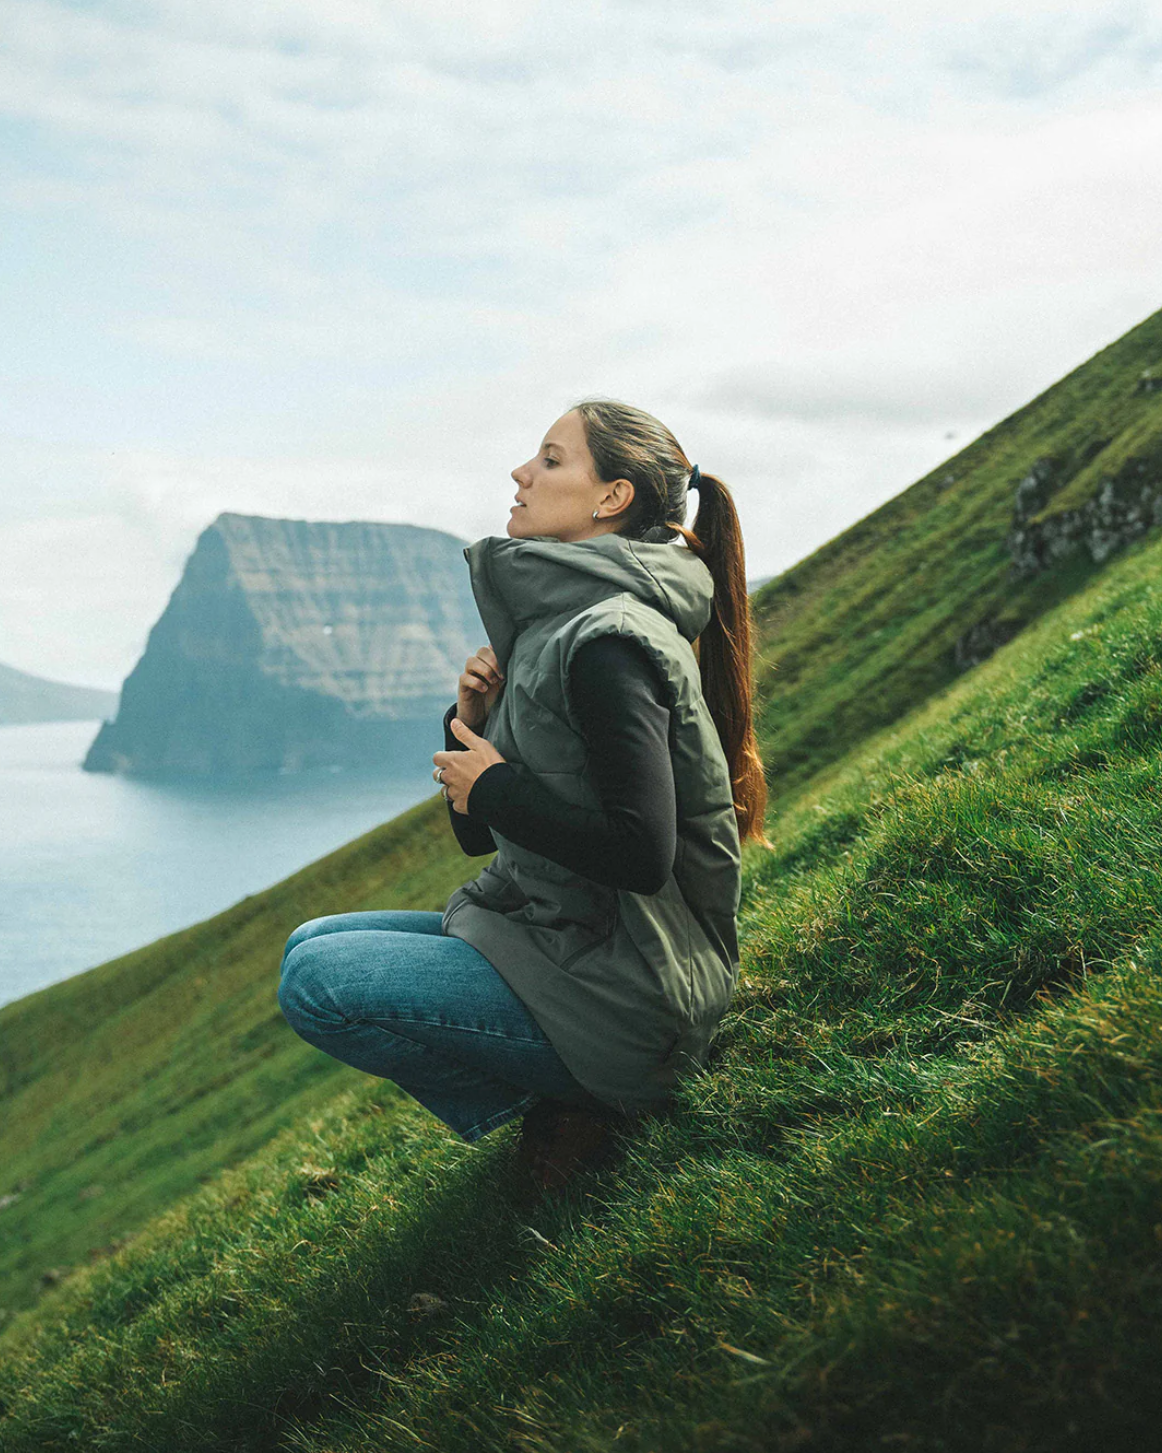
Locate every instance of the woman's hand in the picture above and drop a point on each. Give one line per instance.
(456, 771)
(478, 687)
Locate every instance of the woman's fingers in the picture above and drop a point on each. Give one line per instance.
(451, 787)
(484, 663)
(481, 678)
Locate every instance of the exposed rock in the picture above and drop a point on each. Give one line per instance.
(1122, 509)
(980, 640)
(26, 698)
(289, 644)
(426, 1304)
(1034, 490)
(1149, 382)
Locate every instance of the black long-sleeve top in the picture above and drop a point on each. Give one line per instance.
(631, 840)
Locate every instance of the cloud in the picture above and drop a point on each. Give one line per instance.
(351, 259)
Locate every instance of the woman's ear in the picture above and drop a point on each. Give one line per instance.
(619, 498)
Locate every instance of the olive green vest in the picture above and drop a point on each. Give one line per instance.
(628, 987)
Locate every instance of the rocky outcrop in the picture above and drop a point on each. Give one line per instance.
(980, 640)
(1124, 506)
(288, 645)
(1035, 488)
(1126, 503)
(25, 698)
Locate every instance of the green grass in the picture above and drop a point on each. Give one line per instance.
(913, 1202)
(866, 627)
(124, 1087)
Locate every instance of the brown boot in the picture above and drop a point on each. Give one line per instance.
(559, 1140)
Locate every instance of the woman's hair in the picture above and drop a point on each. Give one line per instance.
(628, 443)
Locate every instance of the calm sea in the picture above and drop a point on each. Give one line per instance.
(93, 865)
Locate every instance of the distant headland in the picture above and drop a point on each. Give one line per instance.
(25, 699)
(290, 644)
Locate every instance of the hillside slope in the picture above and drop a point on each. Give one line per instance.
(926, 586)
(848, 641)
(913, 1202)
(26, 698)
(940, 879)
(123, 1087)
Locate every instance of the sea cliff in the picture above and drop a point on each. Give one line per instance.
(290, 644)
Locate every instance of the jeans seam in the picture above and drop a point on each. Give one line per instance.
(498, 1117)
(463, 1028)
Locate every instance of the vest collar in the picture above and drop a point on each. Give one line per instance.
(516, 581)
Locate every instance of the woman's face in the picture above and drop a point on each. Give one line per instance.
(558, 489)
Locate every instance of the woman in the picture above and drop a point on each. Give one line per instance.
(614, 770)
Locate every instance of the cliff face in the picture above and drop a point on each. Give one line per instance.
(289, 644)
(25, 698)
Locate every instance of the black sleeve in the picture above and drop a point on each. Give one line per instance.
(472, 835)
(631, 840)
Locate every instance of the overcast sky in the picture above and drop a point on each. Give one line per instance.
(336, 259)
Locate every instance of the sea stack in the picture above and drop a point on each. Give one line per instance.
(290, 644)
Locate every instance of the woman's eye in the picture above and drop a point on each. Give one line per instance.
(549, 461)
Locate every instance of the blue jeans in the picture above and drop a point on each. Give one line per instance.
(389, 993)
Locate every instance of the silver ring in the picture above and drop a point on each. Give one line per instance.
(444, 794)
(439, 774)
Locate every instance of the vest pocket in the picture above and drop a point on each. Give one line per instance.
(603, 931)
(588, 948)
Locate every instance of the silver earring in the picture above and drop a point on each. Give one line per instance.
(594, 514)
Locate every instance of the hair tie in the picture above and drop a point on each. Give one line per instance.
(695, 478)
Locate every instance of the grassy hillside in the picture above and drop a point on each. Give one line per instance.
(931, 1106)
(894, 608)
(124, 1087)
(912, 1203)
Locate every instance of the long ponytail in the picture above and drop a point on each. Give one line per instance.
(724, 651)
(628, 443)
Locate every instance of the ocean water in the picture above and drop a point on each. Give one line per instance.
(92, 866)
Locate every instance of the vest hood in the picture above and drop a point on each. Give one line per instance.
(516, 581)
